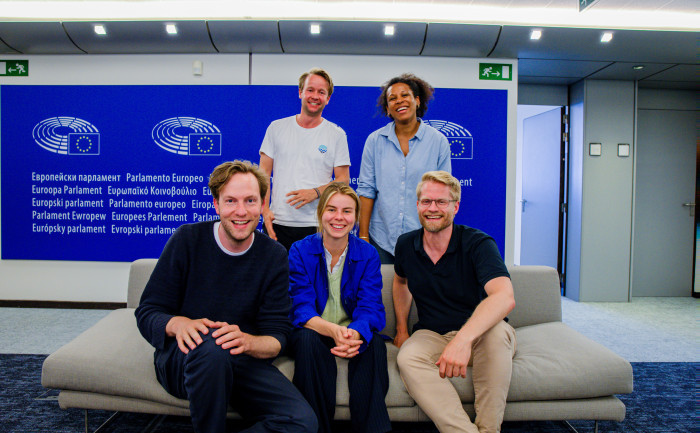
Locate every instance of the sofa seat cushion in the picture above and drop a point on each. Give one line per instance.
(110, 358)
(554, 362)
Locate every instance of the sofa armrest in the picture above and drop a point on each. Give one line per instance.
(537, 295)
(139, 274)
(387, 289)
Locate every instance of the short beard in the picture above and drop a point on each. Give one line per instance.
(228, 228)
(432, 227)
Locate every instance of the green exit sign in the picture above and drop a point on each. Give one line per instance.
(496, 71)
(16, 68)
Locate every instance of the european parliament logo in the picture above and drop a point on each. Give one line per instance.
(187, 136)
(67, 135)
(460, 139)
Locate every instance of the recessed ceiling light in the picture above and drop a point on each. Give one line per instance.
(315, 29)
(607, 37)
(536, 34)
(389, 30)
(638, 67)
(171, 29)
(100, 29)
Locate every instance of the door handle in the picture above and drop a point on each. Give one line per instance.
(692, 208)
(522, 203)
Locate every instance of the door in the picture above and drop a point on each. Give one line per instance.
(664, 221)
(541, 183)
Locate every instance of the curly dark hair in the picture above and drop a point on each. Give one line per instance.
(419, 87)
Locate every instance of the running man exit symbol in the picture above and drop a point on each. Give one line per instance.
(495, 71)
(17, 68)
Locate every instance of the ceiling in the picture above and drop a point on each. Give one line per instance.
(562, 56)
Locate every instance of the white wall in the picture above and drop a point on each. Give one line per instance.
(106, 282)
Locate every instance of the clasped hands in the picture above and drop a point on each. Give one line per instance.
(187, 334)
(347, 342)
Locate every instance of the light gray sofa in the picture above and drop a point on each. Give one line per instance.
(558, 374)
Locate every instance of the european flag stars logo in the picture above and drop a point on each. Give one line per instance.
(84, 143)
(205, 144)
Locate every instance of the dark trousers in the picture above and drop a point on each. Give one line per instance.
(211, 378)
(288, 235)
(315, 374)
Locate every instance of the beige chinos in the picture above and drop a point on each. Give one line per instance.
(492, 365)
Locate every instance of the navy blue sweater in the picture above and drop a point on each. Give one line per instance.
(195, 279)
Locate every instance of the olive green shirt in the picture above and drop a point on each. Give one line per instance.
(334, 311)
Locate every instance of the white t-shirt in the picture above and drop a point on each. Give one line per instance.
(303, 158)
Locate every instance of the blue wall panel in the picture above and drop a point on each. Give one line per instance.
(77, 160)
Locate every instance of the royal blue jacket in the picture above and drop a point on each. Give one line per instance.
(360, 285)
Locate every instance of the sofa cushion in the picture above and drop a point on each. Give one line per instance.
(553, 362)
(537, 295)
(112, 358)
(109, 358)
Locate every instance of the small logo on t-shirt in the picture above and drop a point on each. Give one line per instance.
(322, 148)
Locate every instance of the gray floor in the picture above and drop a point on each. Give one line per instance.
(644, 330)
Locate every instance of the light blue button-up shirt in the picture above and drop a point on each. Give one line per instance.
(390, 179)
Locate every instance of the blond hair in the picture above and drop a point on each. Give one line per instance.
(321, 73)
(332, 189)
(444, 178)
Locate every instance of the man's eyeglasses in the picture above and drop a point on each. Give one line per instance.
(440, 202)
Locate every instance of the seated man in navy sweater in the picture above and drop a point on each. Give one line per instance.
(216, 310)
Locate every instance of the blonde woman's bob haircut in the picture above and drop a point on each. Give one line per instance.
(332, 189)
(444, 178)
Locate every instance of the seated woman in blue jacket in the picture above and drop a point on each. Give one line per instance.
(337, 311)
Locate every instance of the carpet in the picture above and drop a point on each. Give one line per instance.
(664, 401)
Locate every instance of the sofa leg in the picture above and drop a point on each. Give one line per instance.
(595, 426)
(155, 422)
(104, 424)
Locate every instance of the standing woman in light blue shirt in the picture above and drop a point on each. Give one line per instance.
(393, 161)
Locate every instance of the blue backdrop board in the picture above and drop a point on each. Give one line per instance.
(107, 173)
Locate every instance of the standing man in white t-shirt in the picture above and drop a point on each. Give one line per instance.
(304, 152)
